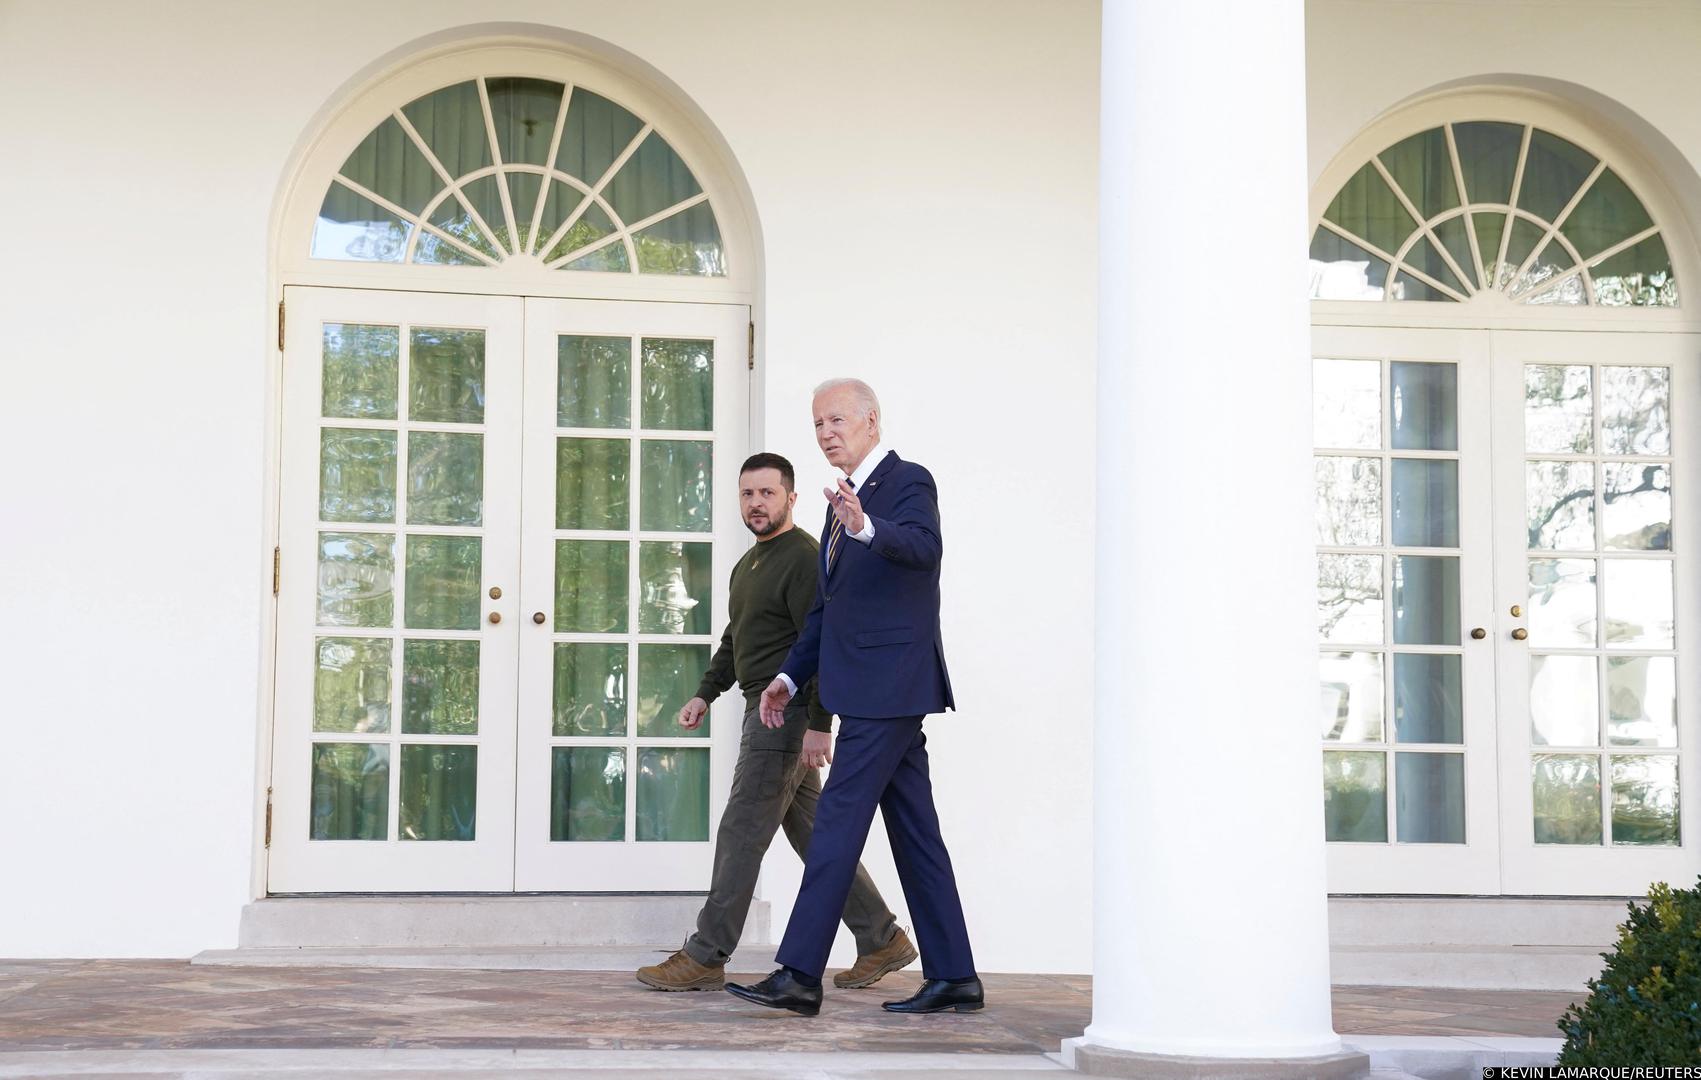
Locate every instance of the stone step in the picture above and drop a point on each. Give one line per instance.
(1474, 920)
(751, 958)
(1474, 967)
(497, 922)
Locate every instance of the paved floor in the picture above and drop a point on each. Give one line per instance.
(168, 1004)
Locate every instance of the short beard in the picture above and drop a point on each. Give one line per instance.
(774, 525)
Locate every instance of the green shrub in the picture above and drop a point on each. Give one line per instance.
(1645, 1009)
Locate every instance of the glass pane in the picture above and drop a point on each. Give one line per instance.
(1342, 270)
(587, 793)
(1426, 599)
(653, 179)
(388, 163)
(675, 486)
(1407, 287)
(1368, 208)
(1559, 497)
(523, 191)
(1355, 796)
(1425, 258)
(592, 226)
(357, 475)
(360, 371)
(689, 242)
(1564, 701)
(451, 121)
(590, 586)
(439, 792)
(1635, 506)
(1558, 412)
(679, 384)
(1553, 171)
(1525, 236)
(1456, 239)
(676, 582)
(1346, 404)
(454, 217)
(610, 258)
(443, 582)
(593, 386)
(445, 478)
(558, 206)
(1351, 701)
(1429, 798)
(1642, 701)
(597, 131)
(1489, 229)
(1428, 698)
(1638, 603)
(1638, 276)
(351, 792)
(1607, 214)
(446, 375)
(668, 677)
(357, 575)
(590, 688)
(1644, 800)
(354, 227)
(593, 483)
(440, 687)
(524, 112)
(1424, 503)
(351, 685)
(1424, 405)
(1552, 261)
(673, 794)
(1349, 501)
(1635, 410)
(1488, 156)
(1423, 168)
(1562, 603)
(1567, 798)
(1349, 598)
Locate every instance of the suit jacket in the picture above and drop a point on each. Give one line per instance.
(872, 635)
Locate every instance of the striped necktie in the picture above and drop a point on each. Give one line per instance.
(836, 534)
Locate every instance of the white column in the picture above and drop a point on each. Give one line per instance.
(1210, 924)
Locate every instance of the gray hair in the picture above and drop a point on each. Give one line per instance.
(861, 391)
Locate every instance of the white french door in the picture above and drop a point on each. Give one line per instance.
(1596, 452)
(502, 529)
(1502, 609)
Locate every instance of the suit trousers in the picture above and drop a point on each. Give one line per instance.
(879, 763)
(773, 789)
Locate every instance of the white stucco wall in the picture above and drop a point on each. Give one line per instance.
(924, 176)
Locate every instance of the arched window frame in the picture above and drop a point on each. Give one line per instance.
(1491, 308)
(365, 106)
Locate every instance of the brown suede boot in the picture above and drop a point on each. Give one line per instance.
(870, 969)
(680, 972)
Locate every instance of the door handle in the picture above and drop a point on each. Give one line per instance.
(495, 616)
(1478, 633)
(539, 617)
(1520, 634)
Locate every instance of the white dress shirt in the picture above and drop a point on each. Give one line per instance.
(857, 478)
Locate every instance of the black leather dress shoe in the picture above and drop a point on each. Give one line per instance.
(937, 995)
(781, 991)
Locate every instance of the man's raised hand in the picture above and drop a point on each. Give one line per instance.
(773, 707)
(846, 506)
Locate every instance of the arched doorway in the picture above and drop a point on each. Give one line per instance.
(516, 334)
(1502, 384)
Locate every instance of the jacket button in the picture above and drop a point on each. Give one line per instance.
(829, 598)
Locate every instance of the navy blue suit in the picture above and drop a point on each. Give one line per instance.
(873, 639)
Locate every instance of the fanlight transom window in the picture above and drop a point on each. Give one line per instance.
(484, 171)
(1486, 206)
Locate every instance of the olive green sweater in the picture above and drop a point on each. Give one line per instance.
(772, 589)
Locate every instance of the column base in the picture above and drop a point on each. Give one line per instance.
(1104, 1061)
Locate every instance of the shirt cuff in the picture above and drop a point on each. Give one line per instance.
(783, 677)
(867, 533)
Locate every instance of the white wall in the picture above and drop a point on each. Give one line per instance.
(925, 180)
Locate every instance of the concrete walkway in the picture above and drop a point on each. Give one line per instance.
(167, 1018)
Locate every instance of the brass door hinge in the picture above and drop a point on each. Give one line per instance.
(277, 568)
(280, 325)
(268, 817)
(752, 354)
